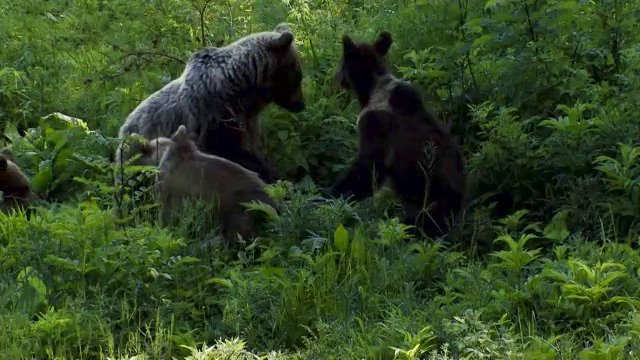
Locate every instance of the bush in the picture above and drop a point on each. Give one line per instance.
(543, 95)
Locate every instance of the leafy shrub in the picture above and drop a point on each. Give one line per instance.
(543, 93)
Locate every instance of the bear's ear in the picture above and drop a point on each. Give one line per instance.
(282, 28)
(181, 135)
(282, 42)
(348, 46)
(383, 43)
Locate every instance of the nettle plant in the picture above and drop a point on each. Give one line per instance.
(622, 175)
(61, 148)
(65, 161)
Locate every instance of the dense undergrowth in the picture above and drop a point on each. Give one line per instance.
(552, 127)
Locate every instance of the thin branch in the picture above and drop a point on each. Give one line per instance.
(202, 13)
(531, 32)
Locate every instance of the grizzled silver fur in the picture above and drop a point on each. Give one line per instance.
(235, 81)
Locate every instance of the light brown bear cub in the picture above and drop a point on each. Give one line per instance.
(187, 172)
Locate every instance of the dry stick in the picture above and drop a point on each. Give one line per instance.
(575, 52)
(531, 31)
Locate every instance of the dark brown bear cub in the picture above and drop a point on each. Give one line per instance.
(14, 185)
(399, 140)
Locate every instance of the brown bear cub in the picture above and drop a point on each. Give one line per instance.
(185, 171)
(225, 139)
(14, 184)
(399, 140)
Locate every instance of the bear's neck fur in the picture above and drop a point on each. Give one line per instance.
(364, 84)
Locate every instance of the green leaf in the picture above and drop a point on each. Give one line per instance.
(34, 290)
(220, 281)
(557, 228)
(492, 3)
(482, 39)
(260, 206)
(341, 238)
(40, 181)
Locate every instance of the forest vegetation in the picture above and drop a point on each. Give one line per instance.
(544, 96)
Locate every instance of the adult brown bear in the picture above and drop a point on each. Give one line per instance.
(399, 140)
(234, 81)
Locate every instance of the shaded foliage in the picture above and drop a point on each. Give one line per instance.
(543, 94)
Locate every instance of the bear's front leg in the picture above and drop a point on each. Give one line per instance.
(369, 169)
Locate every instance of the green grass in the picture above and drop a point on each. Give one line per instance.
(554, 124)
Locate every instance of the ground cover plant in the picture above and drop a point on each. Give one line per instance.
(543, 95)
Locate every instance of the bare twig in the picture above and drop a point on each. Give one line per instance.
(202, 12)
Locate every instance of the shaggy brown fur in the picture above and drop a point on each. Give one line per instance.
(187, 172)
(229, 140)
(240, 78)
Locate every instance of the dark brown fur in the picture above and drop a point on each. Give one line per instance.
(187, 172)
(399, 140)
(229, 140)
(14, 184)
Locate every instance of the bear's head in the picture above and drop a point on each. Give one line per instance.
(285, 85)
(154, 149)
(13, 182)
(362, 63)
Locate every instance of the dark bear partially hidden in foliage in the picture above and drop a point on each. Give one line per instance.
(14, 184)
(399, 140)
